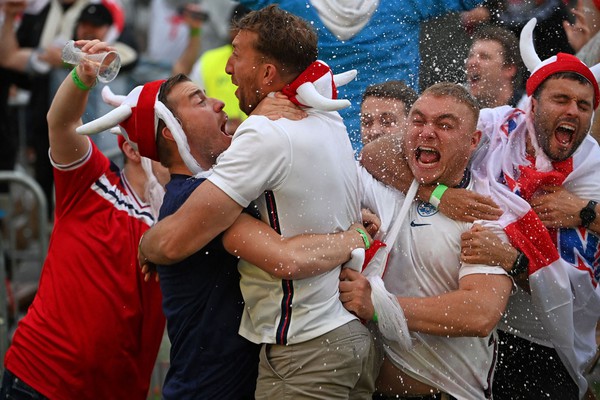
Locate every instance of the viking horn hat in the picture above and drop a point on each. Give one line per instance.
(562, 62)
(137, 116)
(316, 87)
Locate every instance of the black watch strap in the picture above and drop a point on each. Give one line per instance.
(520, 265)
(588, 214)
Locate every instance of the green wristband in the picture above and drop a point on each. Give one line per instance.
(78, 82)
(365, 238)
(436, 195)
(195, 32)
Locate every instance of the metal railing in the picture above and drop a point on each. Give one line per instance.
(10, 250)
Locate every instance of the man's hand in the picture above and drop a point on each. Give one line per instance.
(87, 70)
(279, 106)
(468, 206)
(52, 55)
(482, 246)
(579, 33)
(355, 294)
(370, 221)
(558, 208)
(148, 269)
(13, 8)
(193, 15)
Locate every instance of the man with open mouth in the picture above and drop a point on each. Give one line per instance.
(546, 155)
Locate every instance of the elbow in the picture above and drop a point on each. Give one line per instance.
(484, 325)
(169, 250)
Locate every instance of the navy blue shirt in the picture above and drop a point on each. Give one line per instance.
(203, 305)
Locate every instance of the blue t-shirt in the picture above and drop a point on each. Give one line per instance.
(203, 305)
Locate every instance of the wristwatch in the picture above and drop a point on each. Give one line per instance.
(588, 214)
(520, 265)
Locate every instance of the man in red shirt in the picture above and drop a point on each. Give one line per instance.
(94, 327)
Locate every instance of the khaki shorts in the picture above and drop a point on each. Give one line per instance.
(340, 364)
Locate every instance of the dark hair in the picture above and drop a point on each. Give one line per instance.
(165, 89)
(167, 86)
(510, 47)
(96, 14)
(561, 75)
(238, 12)
(456, 91)
(392, 90)
(283, 38)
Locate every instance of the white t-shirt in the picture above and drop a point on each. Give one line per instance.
(424, 262)
(309, 167)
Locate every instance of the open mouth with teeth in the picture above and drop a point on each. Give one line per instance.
(427, 155)
(224, 127)
(564, 133)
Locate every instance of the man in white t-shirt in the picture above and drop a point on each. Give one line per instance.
(451, 308)
(302, 175)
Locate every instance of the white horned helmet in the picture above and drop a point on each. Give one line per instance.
(137, 116)
(562, 62)
(316, 87)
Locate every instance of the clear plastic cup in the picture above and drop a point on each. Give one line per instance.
(106, 64)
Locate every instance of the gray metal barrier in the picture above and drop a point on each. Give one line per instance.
(9, 249)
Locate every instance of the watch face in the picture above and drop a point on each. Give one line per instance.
(587, 216)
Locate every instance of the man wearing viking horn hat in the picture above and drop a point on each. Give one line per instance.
(546, 155)
(94, 328)
(302, 175)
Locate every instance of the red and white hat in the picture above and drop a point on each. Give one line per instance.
(562, 62)
(137, 116)
(316, 87)
(116, 10)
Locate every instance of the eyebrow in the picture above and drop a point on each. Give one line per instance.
(437, 118)
(447, 116)
(196, 92)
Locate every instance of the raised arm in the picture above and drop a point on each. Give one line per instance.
(194, 17)
(67, 107)
(11, 54)
(296, 257)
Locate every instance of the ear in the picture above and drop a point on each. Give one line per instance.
(509, 71)
(131, 153)
(475, 139)
(167, 134)
(270, 74)
(533, 105)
